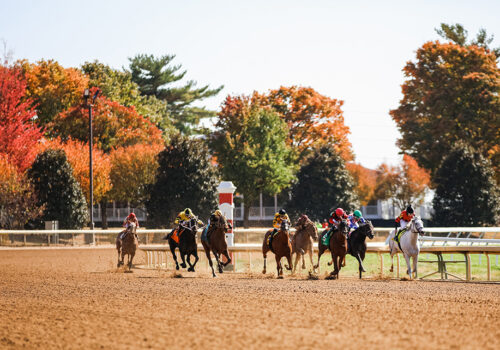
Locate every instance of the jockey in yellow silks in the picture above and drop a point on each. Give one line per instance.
(184, 216)
(279, 217)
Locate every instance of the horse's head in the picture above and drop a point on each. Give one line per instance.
(285, 226)
(132, 227)
(222, 222)
(301, 222)
(367, 229)
(344, 227)
(417, 225)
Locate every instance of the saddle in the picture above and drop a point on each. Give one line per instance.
(399, 234)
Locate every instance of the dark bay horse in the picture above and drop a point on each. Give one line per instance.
(302, 241)
(127, 245)
(337, 247)
(187, 244)
(280, 246)
(215, 242)
(357, 243)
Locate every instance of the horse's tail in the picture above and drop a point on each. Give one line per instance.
(388, 239)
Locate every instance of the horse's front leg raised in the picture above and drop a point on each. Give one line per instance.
(321, 249)
(228, 258)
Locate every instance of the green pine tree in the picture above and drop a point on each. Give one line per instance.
(466, 191)
(155, 77)
(58, 190)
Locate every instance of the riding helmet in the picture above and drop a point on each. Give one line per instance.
(282, 212)
(357, 214)
(187, 211)
(340, 212)
(409, 210)
(131, 216)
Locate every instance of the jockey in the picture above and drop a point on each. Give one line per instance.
(336, 217)
(182, 217)
(279, 217)
(126, 223)
(402, 220)
(355, 219)
(214, 218)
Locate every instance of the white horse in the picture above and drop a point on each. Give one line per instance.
(409, 244)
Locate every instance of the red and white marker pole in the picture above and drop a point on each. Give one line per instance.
(226, 205)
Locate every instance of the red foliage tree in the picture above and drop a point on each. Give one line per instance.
(18, 134)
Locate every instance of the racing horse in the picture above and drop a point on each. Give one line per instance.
(215, 242)
(280, 245)
(186, 244)
(408, 245)
(127, 245)
(302, 241)
(357, 244)
(337, 247)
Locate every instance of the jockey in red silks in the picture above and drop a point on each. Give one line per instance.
(126, 223)
(402, 220)
(336, 218)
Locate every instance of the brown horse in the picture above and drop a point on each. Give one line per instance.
(337, 246)
(214, 240)
(302, 241)
(127, 245)
(280, 246)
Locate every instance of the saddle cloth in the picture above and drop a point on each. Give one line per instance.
(175, 236)
(399, 234)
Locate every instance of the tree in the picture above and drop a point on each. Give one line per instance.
(451, 94)
(52, 88)
(185, 178)
(18, 201)
(404, 184)
(156, 77)
(466, 191)
(365, 181)
(58, 191)
(118, 86)
(458, 34)
(313, 120)
(114, 125)
(251, 148)
(133, 170)
(323, 184)
(18, 134)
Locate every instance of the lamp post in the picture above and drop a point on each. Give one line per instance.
(89, 104)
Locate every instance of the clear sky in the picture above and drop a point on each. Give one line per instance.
(348, 50)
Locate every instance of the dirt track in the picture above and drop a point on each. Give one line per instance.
(77, 299)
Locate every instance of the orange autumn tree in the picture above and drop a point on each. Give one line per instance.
(78, 156)
(365, 180)
(52, 87)
(405, 184)
(114, 125)
(313, 120)
(133, 168)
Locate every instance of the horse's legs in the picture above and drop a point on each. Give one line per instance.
(207, 252)
(408, 264)
(119, 262)
(196, 258)
(297, 257)
(264, 254)
(392, 252)
(279, 268)
(289, 259)
(415, 260)
(228, 259)
(183, 257)
(188, 260)
(130, 258)
(303, 261)
(219, 264)
(320, 252)
(172, 250)
(311, 258)
(361, 268)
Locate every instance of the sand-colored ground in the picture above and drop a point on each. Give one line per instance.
(77, 299)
